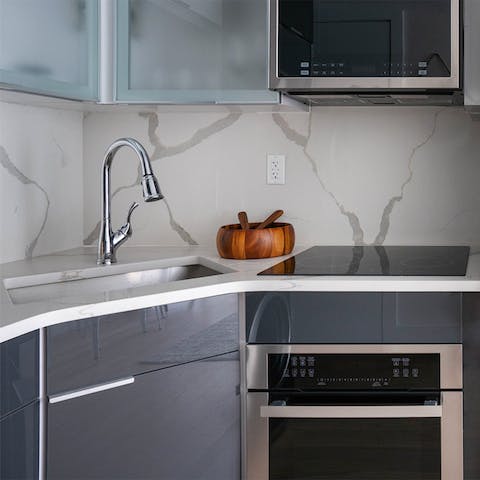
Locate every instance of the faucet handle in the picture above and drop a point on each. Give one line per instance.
(125, 231)
(133, 206)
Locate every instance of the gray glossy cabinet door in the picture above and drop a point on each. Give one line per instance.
(354, 317)
(18, 372)
(19, 444)
(314, 317)
(422, 317)
(50, 47)
(193, 51)
(180, 423)
(92, 351)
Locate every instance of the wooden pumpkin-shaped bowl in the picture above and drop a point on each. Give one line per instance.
(233, 242)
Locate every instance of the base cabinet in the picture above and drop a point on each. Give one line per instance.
(471, 386)
(19, 408)
(176, 416)
(179, 423)
(19, 444)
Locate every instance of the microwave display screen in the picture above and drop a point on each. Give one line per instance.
(360, 38)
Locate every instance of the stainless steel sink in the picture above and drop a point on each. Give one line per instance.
(99, 284)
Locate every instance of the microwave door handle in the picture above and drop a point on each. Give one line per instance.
(352, 411)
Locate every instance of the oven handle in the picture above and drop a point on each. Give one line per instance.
(352, 411)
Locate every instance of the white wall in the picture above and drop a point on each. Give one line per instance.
(392, 175)
(41, 189)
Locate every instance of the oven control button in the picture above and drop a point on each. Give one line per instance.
(406, 372)
(396, 362)
(415, 372)
(294, 372)
(303, 372)
(311, 372)
(311, 361)
(396, 372)
(405, 362)
(303, 361)
(294, 361)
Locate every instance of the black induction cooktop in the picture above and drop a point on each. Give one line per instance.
(376, 260)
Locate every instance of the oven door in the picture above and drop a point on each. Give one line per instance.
(354, 442)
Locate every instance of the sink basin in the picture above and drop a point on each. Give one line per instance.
(99, 282)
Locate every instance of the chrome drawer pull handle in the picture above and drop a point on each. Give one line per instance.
(62, 397)
(353, 411)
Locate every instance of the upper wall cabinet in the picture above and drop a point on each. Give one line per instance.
(192, 51)
(472, 49)
(50, 47)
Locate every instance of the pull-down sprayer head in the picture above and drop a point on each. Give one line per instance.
(151, 190)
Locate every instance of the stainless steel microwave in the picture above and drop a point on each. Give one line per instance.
(365, 46)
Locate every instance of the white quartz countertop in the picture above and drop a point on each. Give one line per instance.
(17, 318)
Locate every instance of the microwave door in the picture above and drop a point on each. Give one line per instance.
(352, 48)
(358, 44)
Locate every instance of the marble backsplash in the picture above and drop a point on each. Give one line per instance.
(381, 175)
(41, 188)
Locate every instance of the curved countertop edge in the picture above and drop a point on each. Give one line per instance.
(20, 320)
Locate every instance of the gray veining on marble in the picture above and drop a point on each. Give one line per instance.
(387, 211)
(302, 141)
(184, 235)
(93, 235)
(63, 157)
(9, 166)
(162, 151)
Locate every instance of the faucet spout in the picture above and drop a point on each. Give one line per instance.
(108, 240)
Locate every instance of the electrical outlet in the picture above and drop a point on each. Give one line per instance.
(275, 169)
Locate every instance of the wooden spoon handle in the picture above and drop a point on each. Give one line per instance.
(243, 219)
(276, 214)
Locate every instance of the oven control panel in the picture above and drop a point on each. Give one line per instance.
(354, 371)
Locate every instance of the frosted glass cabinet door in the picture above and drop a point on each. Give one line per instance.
(193, 51)
(50, 47)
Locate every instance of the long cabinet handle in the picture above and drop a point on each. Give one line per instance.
(62, 397)
(353, 411)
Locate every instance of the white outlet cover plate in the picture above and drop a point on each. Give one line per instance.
(275, 169)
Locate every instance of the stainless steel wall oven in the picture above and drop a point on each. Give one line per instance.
(351, 411)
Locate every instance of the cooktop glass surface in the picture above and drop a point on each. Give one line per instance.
(376, 260)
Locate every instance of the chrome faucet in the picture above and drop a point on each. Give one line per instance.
(109, 241)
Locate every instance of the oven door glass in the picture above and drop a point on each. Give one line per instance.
(355, 448)
(365, 38)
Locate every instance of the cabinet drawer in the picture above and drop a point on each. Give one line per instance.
(18, 372)
(92, 351)
(180, 423)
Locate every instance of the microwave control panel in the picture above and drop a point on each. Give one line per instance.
(354, 371)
